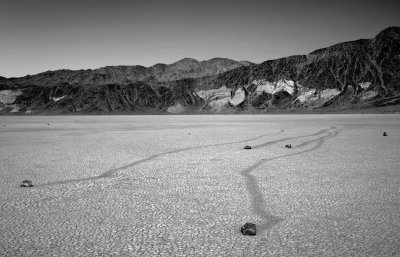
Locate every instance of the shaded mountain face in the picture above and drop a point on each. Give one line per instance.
(136, 97)
(359, 73)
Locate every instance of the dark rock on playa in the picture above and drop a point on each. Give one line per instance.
(384, 134)
(26, 183)
(288, 146)
(247, 147)
(248, 229)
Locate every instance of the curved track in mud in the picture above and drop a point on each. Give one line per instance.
(113, 172)
(256, 196)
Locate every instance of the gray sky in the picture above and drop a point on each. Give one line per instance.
(40, 35)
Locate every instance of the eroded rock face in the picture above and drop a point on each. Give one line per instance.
(176, 108)
(216, 100)
(313, 97)
(7, 100)
(9, 96)
(274, 87)
(368, 95)
(238, 97)
(216, 94)
(364, 85)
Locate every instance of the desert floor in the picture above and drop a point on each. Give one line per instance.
(184, 185)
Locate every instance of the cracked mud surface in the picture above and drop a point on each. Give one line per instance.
(184, 185)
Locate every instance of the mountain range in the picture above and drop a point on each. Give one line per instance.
(357, 74)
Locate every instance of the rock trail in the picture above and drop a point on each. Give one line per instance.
(256, 196)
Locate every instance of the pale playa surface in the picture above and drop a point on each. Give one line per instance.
(183, 185)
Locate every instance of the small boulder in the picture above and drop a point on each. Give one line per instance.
(384, 134)
(248, 229)
(26, 183)
(247, 147)
(288, 146)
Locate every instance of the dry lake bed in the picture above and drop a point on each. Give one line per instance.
(184, 185)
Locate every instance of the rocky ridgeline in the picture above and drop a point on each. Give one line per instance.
(123, 75)
(354, 74)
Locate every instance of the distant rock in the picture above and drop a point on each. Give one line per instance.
(288, 146)
(384, 134)
(249, 229)
(247, 147)
(26, 183)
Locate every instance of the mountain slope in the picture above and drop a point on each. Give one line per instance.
(135, 97)
(344, 74)
(355, 74)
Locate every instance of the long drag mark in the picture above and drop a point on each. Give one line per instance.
(114, 172)
(256, 196)
(288, 138)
